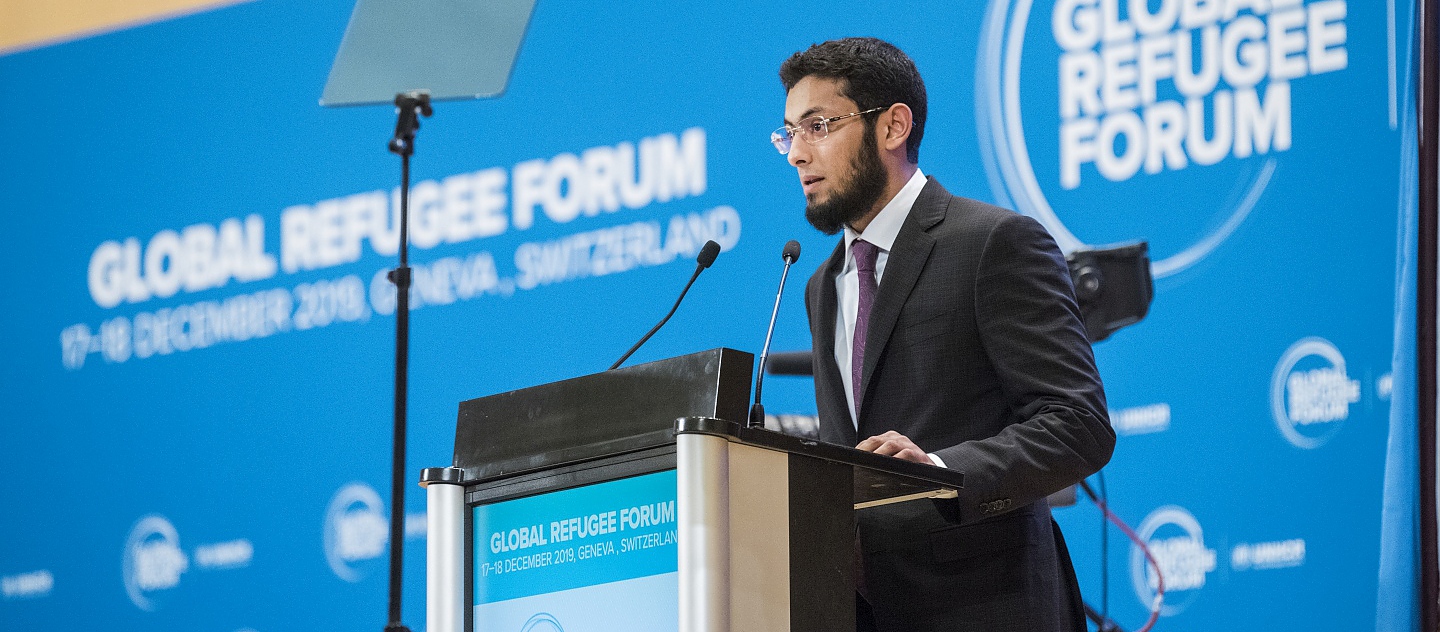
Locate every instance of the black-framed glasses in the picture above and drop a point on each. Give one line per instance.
(811, 130)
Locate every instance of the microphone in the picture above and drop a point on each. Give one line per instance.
(791, 254)
(707, 255)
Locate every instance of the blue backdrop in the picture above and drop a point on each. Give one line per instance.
(199, 341)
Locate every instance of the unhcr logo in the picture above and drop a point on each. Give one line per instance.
(32, 585)
(1267, 555)
(1310, 393)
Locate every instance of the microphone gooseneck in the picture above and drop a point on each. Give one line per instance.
(790, 254)
(704, 260)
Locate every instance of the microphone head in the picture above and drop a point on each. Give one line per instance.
(708, 253)
(791, 253)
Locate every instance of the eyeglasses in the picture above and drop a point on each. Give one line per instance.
(812, 130)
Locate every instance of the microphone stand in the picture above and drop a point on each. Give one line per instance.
(704, 260)
(410, 106)
(757, 411)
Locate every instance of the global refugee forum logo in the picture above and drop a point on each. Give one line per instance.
(1163, 119)
(1310, 393)
(152, 561)
(356, 531)
(1175, 538)
(542, 622)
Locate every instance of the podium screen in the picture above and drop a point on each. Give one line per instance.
(598, 558)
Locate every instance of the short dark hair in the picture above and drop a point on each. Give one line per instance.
(873, 73)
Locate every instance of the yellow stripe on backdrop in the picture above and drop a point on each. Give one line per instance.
(30, 24)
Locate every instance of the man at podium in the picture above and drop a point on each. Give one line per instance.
(945, 331)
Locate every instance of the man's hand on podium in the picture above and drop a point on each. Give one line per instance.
(894, 444)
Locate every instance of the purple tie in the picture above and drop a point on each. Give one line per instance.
(865, 255)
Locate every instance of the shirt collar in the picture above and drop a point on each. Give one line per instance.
(882, 230)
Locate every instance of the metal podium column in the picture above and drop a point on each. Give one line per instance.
(703, 508)
(444, 549)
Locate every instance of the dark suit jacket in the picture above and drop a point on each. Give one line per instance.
(977, 352)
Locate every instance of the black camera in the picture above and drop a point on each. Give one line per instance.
(1113, 286)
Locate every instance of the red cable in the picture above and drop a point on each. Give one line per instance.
(1129, 533)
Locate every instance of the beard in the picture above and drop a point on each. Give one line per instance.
(853, 199)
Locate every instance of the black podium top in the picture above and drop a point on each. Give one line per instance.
(598, 415)
(878, 479)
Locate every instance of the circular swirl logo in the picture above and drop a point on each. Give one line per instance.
(355, 531)
(152, 561)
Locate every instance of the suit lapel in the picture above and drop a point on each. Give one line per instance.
(907, 258)
(824, 345)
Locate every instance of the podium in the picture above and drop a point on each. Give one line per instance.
(636, 499)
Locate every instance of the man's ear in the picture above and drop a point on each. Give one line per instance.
(894, 126)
